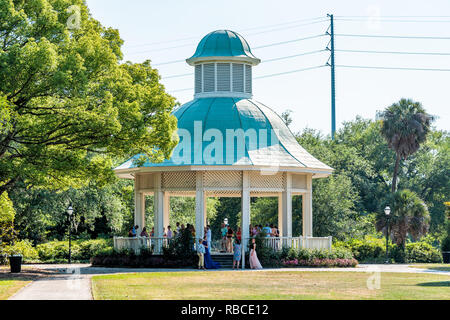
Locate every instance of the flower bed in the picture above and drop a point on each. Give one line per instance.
(320, 263)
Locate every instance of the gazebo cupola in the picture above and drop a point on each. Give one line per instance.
(223, 66)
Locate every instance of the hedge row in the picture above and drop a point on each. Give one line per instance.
(316, 262)
(127, 258)
(58, 251)
(290, 257)
(372, 249)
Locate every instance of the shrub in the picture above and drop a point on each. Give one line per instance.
(24, 248)
(422, 252)
(128, 258)
(181, 247)
(368, 249)
(321, 262)
(290, 257)
(82, 250)
(445, 245)
(91, 248)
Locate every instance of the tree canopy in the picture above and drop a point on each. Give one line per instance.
(405, 127)
(68, 107)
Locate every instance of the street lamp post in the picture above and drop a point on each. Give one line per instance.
(69, 211)
(387, 212)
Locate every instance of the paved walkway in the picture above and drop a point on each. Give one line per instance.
(74, 282)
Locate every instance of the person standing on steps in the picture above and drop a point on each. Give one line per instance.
(237, 254)
(230, 240)
(209, 262)
(208, 236)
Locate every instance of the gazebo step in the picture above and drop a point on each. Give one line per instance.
(225, 260)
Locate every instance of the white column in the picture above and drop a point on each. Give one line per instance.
(245, 209)
(158, 203)
(205, 209)
(166, 210)
(139, 206)
(199, 206)
(280, 213)
(307, 208)
(287, 206)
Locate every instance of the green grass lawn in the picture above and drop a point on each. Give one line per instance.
(9, 287)
(8, 284)
(229, 285)
(432, 266)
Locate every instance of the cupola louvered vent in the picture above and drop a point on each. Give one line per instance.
(198, 78)
(209, 76)
(223, 77)
(238, 77)
(248, 79)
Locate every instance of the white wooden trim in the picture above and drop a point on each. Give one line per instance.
(245, 211)
(307, 209)
(287, 206)
(199, 206)
(158, 206)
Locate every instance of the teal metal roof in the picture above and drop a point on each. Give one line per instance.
(222, 44)
(221, 114)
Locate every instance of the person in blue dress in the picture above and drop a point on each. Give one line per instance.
(209, 262)
(237, 254)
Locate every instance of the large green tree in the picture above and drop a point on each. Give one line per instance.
(69, 108)
(405, 127)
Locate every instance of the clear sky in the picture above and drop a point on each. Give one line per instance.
(169, 30)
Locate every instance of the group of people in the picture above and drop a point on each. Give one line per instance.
(169, 234)
(205, 260)
(269, 230)
(203, 247)
(227, 234)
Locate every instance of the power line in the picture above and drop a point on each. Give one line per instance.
(293, 56)
(188, 45)
(264, 46)
(391, 36)
(179, 75)
(169, 62)
(290, 41)
(266, 76)
(288, 72)
(265, 61)
(392, 16)
(246, 29)
(396, 52)
(290, 27)
(376, 19)
(393, 68)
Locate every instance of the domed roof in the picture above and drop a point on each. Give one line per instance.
(268, 141)
(223, 44)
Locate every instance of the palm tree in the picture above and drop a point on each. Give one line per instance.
(409, 216)
(405, 126)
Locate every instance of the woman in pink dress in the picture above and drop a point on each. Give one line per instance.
(254, 262)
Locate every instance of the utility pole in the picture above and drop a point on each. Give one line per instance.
(330, 62)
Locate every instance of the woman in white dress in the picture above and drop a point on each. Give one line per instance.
(254, 262)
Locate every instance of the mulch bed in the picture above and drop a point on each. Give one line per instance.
(27, 273)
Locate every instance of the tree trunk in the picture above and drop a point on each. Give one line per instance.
(394, 178)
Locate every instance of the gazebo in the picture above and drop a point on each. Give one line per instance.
(230, 146)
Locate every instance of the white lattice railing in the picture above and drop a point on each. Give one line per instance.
(138, 243)
(276, 243)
